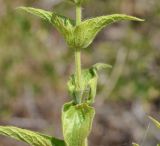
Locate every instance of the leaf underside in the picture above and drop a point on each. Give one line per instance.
(77, 122)
(30, 137)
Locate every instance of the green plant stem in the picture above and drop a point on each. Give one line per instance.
(78, 56)
(78, 67)
(78, 61)
(78, 14)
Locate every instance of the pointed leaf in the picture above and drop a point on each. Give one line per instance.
(100, 66)
(30, 137)
(46, 15)
(88, 29)
(155, 122)
(77, 122)
(63, 24)
(80, 36)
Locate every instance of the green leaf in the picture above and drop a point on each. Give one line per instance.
(135, 144)
(155, 122)
(89, 79)
(30, 137)
(88, 29)
(63, 24)
(158, 144)
(77, 122)
(100, 66)
(46, 15)
(80, 36)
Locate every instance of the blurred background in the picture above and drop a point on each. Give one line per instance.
(35, 64)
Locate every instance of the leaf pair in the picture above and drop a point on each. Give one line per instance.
(77, 123)
(30, 137)
(88, 88)
(80, 36)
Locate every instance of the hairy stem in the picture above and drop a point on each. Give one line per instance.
(78, 57)
(78, 14)
(78, 67)
(78, 62)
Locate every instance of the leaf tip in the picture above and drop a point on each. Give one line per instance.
(20, 8)
(141, 20)
(99, 66)
(136, 18)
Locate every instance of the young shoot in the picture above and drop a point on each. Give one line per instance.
(78, 114)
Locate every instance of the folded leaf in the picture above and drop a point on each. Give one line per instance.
(88, 29)
(77, 122)
(89, 79)
(30, 137)
(155, 122)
